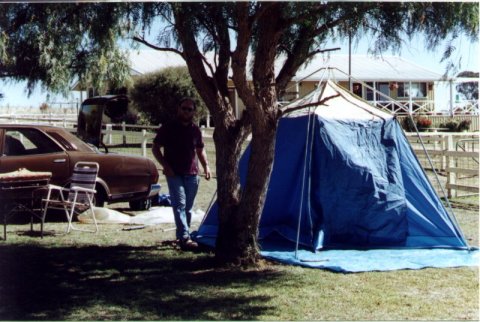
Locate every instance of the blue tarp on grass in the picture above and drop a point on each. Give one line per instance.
(354, 261)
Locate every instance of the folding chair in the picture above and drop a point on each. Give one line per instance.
(80, 194)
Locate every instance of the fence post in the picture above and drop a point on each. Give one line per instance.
(109, 131)
(451, 176)
(144, 142)
(444, 147)
(124, 134)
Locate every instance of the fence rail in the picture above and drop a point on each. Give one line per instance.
(455, 156)
(65, 120)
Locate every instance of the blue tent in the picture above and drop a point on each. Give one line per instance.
(345, 177)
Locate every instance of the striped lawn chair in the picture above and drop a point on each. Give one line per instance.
(77, 198)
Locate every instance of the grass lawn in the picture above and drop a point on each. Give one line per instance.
(141, 275)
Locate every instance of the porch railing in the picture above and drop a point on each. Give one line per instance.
(404, 106)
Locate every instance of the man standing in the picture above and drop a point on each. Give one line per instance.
(182, 143)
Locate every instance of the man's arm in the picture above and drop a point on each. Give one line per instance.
(202, 157)
(167, 170)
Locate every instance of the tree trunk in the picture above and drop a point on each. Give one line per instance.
(240, 209)
(238, 227)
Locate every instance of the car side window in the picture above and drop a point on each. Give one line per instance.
(28, 142)
(13, 145)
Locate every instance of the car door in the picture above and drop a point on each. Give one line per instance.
(32, 149)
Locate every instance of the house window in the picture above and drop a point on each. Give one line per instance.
(357, 89)
(414, 90)
(381, 87)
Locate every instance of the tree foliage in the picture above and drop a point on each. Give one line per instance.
(469, 90)
(54, 44)
(157, 94)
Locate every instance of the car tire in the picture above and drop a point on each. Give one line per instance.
(142, 204)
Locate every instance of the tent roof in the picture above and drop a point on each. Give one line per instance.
(337, 104)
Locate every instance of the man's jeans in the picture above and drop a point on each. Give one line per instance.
(183, 190)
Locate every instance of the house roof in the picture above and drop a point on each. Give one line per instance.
(145, 61)
(365, 68)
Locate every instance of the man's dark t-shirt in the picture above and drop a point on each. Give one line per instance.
(179, 143)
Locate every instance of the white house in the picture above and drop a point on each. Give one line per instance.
(388, 82)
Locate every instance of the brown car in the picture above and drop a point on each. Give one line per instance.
(48, 148)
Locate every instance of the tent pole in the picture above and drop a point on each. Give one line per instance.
(310, 116)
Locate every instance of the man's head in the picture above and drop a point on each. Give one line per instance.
(186, 109)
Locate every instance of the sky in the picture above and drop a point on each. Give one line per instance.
(414, 51)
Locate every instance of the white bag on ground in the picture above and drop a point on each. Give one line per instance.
(155, 216)
(104, 216)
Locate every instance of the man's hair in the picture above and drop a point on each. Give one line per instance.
(189, 99)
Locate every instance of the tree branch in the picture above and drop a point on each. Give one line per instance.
(320, 51)
(146, 43)
(322, 102)
(239, 56)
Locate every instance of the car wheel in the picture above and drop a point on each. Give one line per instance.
(142, 204)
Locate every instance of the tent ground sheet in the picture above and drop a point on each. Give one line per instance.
(353, 261)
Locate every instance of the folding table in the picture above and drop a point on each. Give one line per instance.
(22, 191)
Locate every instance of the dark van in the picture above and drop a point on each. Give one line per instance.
(99, 110)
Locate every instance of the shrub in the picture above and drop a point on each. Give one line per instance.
(423, 123)
(408, 125)
(450, 125)
(464, 125)
(454, 126)
(156, 95)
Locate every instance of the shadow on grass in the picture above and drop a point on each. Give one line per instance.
(124, 283)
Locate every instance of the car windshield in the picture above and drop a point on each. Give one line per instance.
(69, 141)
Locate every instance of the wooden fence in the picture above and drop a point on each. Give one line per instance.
(454, 156)
(70, 120)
